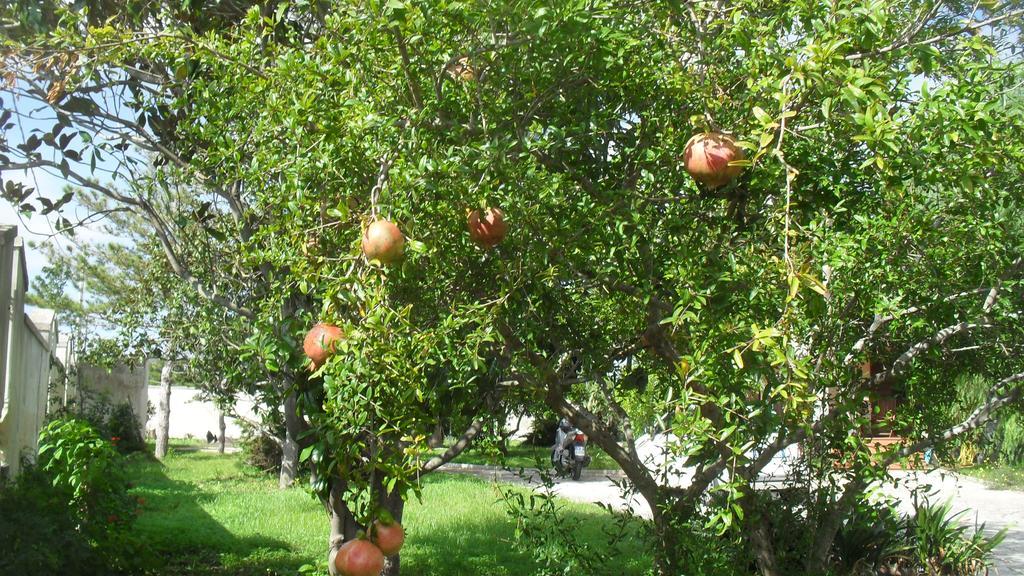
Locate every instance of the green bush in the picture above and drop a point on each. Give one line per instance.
(933, 540)
(259, 451)
(86, 475)
(542, 432)
(940, 544)
(114, 422)
(123, 430)
(38, 531)
(871, 536)
(1009, 440)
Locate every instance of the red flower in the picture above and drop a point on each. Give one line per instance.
(115, 438)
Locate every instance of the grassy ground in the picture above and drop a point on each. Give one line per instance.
(206, 514)
(998, 476)
(525, 456)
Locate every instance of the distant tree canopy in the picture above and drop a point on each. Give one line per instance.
(877, 219)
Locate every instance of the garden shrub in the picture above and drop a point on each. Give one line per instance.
(71, 514)
(38, 530)
(542, 431)
(123, 430)
(115, 422)
(940, 544)
(1009, 440)
(876, 540)
(260, 451)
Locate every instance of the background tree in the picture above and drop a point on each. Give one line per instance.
(746, 308)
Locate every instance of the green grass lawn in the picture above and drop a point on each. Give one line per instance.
(997, 476)
(525, 456)
(207, 514)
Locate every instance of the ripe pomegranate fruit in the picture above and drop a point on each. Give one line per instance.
(320, 341)
(359, 558)
(383, 241)
(462, 69)
(389, 537)
(707, 157)
(487, 229)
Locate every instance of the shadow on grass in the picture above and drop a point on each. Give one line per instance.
(184, 539)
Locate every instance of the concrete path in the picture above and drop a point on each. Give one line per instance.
(995, 508)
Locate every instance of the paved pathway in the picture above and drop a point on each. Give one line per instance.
(996, 508)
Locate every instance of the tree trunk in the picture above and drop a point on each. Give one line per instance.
(163, 425)
(437, 437)
(829, 525)
(223, 429)
(290, 446)
(669, 514)
(344, 527)
(666, 543)
(759, 533)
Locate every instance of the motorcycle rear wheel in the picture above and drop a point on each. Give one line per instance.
(577, 470)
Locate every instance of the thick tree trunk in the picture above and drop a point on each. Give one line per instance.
(223, 428)
(163, 425)
(669, 514)
(759, 534)
(290, 446)
(666, 543)
(829, 526)
(344, 527)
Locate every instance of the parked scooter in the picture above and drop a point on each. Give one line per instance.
(569, 454)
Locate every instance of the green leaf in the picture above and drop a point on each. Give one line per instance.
(737, 358)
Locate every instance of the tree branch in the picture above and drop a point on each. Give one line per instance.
(451, 453)
(907, 42)
(900, 365)
(414, 89)
(981, 415)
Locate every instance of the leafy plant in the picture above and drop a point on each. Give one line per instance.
(1009, 440)
(551, 536)
(872, 535)
(259, 450)
(123, 428)
(939, 543)
(88, 470)
(71, 514)
(39, 532)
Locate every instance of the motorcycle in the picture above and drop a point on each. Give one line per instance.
(569, 454)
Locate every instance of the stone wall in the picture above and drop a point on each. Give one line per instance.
(116, 386)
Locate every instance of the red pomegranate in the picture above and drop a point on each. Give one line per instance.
(320, 341)
(487, 229)
(389, 537)
(383, 241)
(359, 558)
(707, 157)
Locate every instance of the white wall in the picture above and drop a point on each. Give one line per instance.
(195, 417)
(26, 358)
